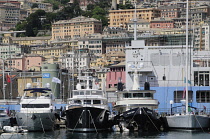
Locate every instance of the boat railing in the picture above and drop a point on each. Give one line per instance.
(168, 111)
(89, 93)
(41, 97)
(36, 111)
(95, 105)
(89, 96)
(136, 98)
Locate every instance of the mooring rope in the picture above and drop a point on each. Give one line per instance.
(51, 121)
(133, 116)
(151, 120)
(41, 123)
(78, 121)
(93, 121)
(199, 123)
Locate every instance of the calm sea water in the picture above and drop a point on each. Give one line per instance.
(64, 134)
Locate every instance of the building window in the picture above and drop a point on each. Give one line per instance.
(180, 95)
(203, 96)
(34, 80)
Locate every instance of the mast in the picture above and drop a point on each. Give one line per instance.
(134, 21)
(187, 57)
(3, 79)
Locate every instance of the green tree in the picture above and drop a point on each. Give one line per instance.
(55, 6)
(127, 5)
(35, 5)
(99, 13)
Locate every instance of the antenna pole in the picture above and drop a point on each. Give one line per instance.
(187, 57)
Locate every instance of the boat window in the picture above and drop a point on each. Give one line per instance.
(127, 95)
(76, 93)
(82, 93)
(137, 95)
(147, 95)
(203, 96)
(35, 105)
(87, 92)
(87, 101)
(96, 102)
(78, 101)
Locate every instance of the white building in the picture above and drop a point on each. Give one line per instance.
(77, 60)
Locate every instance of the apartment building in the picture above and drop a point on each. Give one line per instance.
(202, 37)
(76, 60)
(84, 3)
(30, 41)
(172, 11)
(101, 76)
(76, 27)
(114, 39)
(51, 54)
(93, 43)
(8, 51)
(10, 14)
(116, 73)
(29, 62)
(120, 18)
(162, 23)
(141, 25)
(195, 16)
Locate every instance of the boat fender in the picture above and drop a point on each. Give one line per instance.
(33, 117)
(121, 128)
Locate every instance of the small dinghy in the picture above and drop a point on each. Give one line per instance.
(14, 129)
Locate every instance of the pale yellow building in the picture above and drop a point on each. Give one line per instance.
(35, 80)
(51, 54)
(30, 41)
(75, 28)
(120, 18)
(71, 44)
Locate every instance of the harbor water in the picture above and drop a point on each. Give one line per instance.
(65, 134)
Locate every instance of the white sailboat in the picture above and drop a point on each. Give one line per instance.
(187, 120)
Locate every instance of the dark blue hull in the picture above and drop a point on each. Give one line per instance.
(87, 119)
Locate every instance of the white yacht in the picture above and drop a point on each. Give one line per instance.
(87, 110)
(36, 112)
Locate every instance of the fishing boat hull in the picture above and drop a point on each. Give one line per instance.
(87, 119)
(36, 121)
(139, 119)
(188, 121)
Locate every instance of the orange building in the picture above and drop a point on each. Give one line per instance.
(120, 18)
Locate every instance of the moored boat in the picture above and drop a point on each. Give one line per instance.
(87, 110)
(36, 112)
(136, 108)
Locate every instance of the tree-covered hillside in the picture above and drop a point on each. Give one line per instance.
(41, 20)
